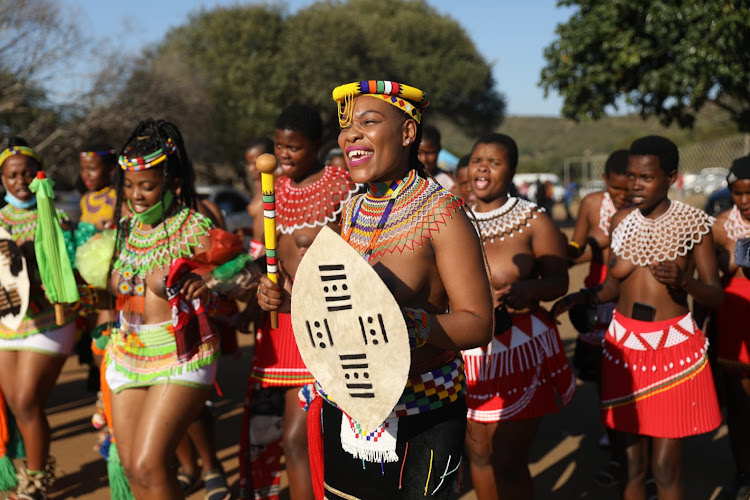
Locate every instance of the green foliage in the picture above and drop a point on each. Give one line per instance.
(544, 142)
(233, 53)
(332, 43)
(667, 58)
(245, 63)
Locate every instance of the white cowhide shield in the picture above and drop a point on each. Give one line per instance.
(14, 282)
(350, 330)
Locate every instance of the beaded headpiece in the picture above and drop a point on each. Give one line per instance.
(410, 100)
(148, 161)
(108, 152)
(19, 150)
(740, 170)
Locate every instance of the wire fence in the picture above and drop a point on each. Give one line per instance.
(703, 166)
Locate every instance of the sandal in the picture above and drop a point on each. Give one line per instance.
(216, 485)
(188, 482)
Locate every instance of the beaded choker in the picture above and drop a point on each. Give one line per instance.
(511, 218)
(606, 211)
(377, 225)
(315, 205)
(735, 226)
(644, 241)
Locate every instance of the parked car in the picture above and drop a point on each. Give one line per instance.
(232, 202)
(708, 180)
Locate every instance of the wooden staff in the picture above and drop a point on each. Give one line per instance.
(266, 165)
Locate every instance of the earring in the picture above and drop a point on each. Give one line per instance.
(407, 142)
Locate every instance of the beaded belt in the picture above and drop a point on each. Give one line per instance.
(423, 393)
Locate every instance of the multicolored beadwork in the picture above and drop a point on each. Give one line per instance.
(145, 249)
(86, 154)
(410, 100)
(19, 150)
(148, 161)
(420, 206)
(21, 223)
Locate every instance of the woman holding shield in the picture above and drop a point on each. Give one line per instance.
(417, 238)
(31, 354)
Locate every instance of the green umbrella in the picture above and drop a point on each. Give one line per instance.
(49, 245)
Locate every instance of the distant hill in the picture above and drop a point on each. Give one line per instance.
(544, 142)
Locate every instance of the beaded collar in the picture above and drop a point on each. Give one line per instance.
(315, 205)
(145, 249)
(377, 225)
(511, 218)
(735, 225)
(644, 241)
(606, 211)
(21, 223)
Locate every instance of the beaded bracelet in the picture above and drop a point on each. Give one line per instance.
(417, 326)
(212, 303)
(88, 299)
(577, 246)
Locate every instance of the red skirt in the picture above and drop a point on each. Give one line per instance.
(656, 380)
(277, 362)
(733, 339)
(520, 373)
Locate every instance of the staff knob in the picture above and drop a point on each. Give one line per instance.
(266, 163)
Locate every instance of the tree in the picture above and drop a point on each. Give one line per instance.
(35, 37)
(248, 62)
(331, 43)
(667, 58)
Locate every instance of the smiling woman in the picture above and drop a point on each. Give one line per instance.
(162, 356)
(417, 238)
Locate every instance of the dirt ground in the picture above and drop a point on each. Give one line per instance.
(565, 457)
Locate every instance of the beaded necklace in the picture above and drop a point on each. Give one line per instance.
(511, 218)
(606, 211)
(735, 225)
(376, 225)
(315, 205)
(377, 191)
(145, 249)
(21, 223)
(644, 241)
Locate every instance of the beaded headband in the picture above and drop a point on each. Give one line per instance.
(410, 100)
(84, 154)
(740, 170)
(148, 161)
(19, 150)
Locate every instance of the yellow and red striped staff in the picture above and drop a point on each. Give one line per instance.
(266, 165)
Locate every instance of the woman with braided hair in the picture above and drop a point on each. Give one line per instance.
(32, 355)
(160, 372)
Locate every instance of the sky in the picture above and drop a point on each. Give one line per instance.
(510, 34)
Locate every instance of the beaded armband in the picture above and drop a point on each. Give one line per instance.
(417, 326)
